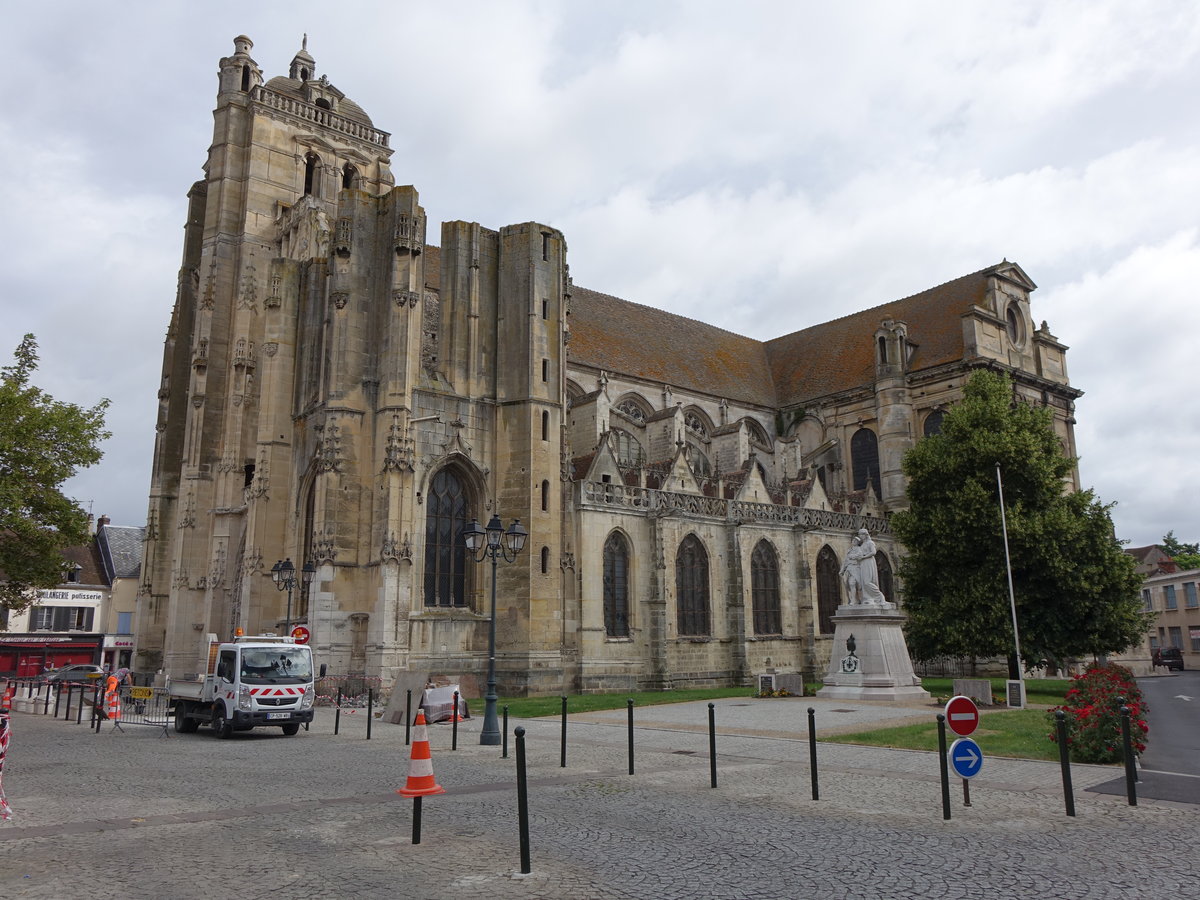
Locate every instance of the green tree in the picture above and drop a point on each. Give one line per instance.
(1186, 556)
(1076, 590)
(42, 443)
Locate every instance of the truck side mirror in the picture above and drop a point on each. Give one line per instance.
(324, 668)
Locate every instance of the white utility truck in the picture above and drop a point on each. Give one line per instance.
(251, 681)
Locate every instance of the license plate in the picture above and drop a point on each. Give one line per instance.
(279, 715)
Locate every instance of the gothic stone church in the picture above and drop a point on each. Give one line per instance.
(337, 390)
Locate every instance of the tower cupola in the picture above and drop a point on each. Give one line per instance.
(240, 73)
(304, 67)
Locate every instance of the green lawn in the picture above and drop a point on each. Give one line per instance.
(1022, 733)
(1047, 692)
(532, 707)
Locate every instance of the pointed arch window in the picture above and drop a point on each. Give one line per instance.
(445, 552)
(933, 423)
(864, 458)
(349, 176)
(691, 588)
(829, 589)
(633, 410)
(616, 586)
(886, 582)
(764, 589)
(627, 448)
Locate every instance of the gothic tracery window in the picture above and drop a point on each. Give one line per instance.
(764, 589)
(886, 582)
(445, 552)
(695, 424)
(691, 588)
(616, 586)
(829, 589)
(933, 423)
(633, 410)
(864, 459)
(627, 448)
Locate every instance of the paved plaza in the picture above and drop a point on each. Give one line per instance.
(134, 814)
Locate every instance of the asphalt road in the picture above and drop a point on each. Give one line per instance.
(1170, 767)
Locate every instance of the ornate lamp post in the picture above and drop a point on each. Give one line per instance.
(283, 573)
(493, 543)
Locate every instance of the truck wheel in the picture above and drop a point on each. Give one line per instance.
(184, 724)
(291, 728)
(220, 725)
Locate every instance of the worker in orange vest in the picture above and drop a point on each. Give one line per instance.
(112, 698)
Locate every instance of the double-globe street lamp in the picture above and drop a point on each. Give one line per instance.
(493, 542)
(283, 573)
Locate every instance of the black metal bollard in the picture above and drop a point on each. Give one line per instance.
(454, 724)
(370, 710)
(1064, 759)
(504, 731)
(522, 801)
(562, 756)
(46, 704)
(812, 751)
(416, 834)
(1130, 765)
(945, 769)
(67, 711)
(96, 708)
(79, 712)
(337, 716)
(407, 717)
(712, 743)
(629, 716)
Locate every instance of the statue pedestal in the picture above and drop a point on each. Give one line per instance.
(870, 660)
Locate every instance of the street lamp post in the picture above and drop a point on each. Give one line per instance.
(493, 543)
(283, 573)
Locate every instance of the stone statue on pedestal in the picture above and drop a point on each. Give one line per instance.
(860, 574)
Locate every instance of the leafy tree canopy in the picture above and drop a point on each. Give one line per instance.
(1076, 591)
(1186, 556)
(42, 443)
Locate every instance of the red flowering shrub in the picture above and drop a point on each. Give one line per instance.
(1093, 708)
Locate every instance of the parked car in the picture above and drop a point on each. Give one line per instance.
(1170, 657)
(79, 672)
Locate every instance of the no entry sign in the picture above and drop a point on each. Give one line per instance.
(300, 635)
(962, 715)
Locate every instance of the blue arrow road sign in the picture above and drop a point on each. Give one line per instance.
(966, 758)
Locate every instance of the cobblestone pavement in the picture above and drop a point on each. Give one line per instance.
(135, 815)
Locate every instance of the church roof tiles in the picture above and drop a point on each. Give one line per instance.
(623, 337)
(619, 336)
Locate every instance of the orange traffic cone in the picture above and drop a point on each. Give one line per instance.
(6, 703)
(421, 782)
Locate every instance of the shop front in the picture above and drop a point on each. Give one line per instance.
(30, 655)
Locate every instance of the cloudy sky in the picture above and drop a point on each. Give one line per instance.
(762, 166)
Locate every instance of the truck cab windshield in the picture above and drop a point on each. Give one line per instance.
(276, 665)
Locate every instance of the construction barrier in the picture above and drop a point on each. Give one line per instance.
(131, 705)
